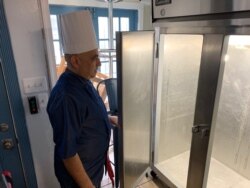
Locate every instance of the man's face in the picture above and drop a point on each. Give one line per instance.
(88, 64)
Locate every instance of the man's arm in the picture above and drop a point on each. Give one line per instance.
(76, 170)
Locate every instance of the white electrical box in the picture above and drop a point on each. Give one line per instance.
(35, 84)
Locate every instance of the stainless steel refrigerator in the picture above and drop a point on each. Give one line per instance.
(184, 96)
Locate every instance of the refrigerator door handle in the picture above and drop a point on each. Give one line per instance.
(202, 129)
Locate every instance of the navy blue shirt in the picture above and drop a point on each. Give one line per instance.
(80, 125)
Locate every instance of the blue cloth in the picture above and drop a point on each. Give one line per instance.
(80, 125)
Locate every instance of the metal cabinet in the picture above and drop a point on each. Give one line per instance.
(183, 99)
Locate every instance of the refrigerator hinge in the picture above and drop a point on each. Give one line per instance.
(157, 50)
(152, 157)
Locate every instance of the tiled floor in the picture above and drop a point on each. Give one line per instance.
(151, 183)
(219, 174)
(144, 183)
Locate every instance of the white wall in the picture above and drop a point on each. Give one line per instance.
(94, 3)
(147, 18)
(25, 26)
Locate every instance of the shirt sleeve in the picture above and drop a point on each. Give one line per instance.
(66, 127)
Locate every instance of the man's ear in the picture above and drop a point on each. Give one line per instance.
(74, 61)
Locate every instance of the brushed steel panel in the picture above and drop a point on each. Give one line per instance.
(208, 77)
(178, 72)
(231, 144)
(136, 86)
(179, 8)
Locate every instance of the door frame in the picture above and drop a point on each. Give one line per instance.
(15, 99)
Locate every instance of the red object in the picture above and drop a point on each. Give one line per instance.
(110, 170)
(8, 177)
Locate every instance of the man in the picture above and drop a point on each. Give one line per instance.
(81, 126)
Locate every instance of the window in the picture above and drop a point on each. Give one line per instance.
(108, 58)
(56, 41)
(103, 32)
(119, 24)
(124, 24)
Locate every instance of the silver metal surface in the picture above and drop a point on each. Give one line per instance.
(223, 27)
(154, 95)
(230, 145)
(213, 58)
(229, 142)
(209, 72)
(201, 129)
(179, 8)
(223, 23)
(136, 87)
(178, 72)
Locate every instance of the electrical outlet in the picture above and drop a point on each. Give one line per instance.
(35, 84)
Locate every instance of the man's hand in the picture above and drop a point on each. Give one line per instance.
(113, 120)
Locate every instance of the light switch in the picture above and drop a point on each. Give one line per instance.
(35, 84)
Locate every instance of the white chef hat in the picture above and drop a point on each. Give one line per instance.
(77, 32)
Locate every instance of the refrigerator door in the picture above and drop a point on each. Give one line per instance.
(229, 161)
(178, 74)
(135, 70)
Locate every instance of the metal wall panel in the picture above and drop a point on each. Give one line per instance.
(178, 73)
(178, 8)
(209, 72)
(228, 133)
(231, 125)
